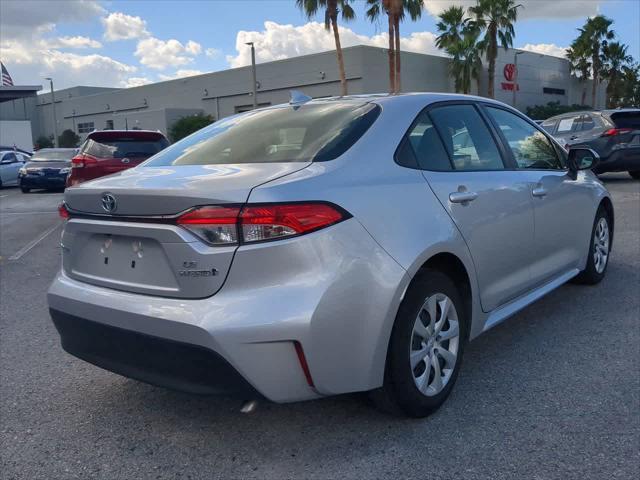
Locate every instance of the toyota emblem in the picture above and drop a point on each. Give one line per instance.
(109, 203)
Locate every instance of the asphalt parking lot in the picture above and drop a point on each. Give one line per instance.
(552, 393)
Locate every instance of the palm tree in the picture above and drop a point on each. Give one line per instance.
(580, 65)
(395, 11)
(614, 58)
(332, 9)
(450, 27)
(630, 90)
(466, 62)
(459, 38)
(496, 19)
(595, 35)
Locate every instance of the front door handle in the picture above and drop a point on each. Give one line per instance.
(539, 191)
(462, 197)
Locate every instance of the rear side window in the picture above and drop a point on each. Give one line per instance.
(422, 147)
(466, 138)
(530, 147)
(122, 147)
(626, 119)
(587, 123)
(313, 132)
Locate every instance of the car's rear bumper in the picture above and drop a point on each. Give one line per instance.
(42, 181)
(154, 360)
(623, 160)
(335, 292)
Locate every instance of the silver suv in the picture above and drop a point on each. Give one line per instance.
(328, 246)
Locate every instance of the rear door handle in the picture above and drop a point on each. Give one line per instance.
(462, 197)
(539, 191)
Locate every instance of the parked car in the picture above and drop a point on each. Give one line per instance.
(361, 257)
(47, 169)
(110, 151)
(613, 134)
(11, 161)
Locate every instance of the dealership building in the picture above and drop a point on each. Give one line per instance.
(537, 80)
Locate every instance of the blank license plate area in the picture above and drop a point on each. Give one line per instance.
(123, 260)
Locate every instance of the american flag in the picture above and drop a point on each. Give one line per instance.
(7, 81)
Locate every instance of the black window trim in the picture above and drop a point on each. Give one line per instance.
(508, 161)
(504, 141)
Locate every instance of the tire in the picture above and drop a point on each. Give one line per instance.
(25, 189)
(635, 174)
(595, 271)
(400, 394)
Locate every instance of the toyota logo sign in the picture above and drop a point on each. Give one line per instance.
(509, 72)
(109, 203)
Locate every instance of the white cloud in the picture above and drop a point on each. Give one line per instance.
(546, 49)
(73, 42)
(120, 26)
(213, 52)
(136, 82)
(194, 48)
(277, 42)
(160, 54)
(29, 63)
(25, 19)
(551, 9)
(182, 73)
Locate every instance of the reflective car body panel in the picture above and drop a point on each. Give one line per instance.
(334, 292)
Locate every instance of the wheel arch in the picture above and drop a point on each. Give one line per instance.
(452, 266)
(607, 204)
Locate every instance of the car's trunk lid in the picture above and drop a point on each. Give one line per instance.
(137, 247)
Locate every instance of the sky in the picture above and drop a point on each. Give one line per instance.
(126, 43)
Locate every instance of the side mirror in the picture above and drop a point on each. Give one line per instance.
(582, 158)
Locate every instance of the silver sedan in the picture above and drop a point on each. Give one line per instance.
(327, 246)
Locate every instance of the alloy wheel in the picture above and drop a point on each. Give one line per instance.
(601, 245)
(434, 344)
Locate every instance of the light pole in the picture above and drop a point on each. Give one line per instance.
(53, 107)
(253, 73)
(515, 74)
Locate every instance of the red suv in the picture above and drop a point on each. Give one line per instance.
(110, 151)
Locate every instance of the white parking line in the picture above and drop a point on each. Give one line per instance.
(2, 196)
(33, 243)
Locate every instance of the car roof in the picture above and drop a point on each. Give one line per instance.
(383, 98)
(56, 150)
(106, 134)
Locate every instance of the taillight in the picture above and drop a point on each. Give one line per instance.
(612, 132)
(215, 225)
(268, 222)
(82, 161)
(218, 225)
(63, 212)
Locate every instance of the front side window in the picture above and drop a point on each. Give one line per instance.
(9, 158)
(530, 147)
(313, 132)
(466, 138)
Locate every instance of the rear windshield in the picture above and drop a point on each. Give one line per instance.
(314, 132)
(122, 147)
(53, 155)
(626, 119)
